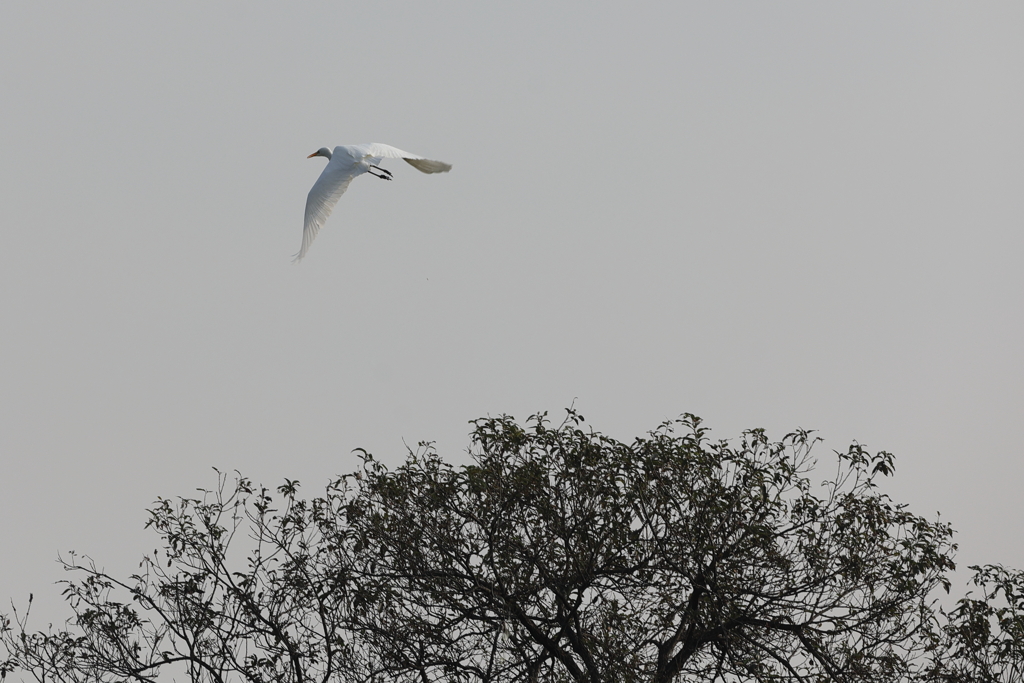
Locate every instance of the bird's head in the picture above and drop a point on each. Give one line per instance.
(322, 152)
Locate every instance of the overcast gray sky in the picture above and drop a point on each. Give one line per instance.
(779, 215)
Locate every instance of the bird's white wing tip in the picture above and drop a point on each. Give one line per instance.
(429, 165)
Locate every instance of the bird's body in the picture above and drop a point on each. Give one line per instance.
(347, 162)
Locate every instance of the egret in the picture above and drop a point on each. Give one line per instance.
(345, 163)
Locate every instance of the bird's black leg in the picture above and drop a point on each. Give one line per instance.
(386, 173)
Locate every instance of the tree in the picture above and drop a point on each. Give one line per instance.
(982, 638)
(558, 554)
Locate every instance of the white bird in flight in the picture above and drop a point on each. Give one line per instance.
(345, 163)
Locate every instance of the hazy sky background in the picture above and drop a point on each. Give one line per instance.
(779, 215)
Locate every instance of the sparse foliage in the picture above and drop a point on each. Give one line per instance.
(558, 554)
(982, 638)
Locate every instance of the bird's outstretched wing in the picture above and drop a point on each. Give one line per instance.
(378, 149)
(326, 192)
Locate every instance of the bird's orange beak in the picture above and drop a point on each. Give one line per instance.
(313, 155)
